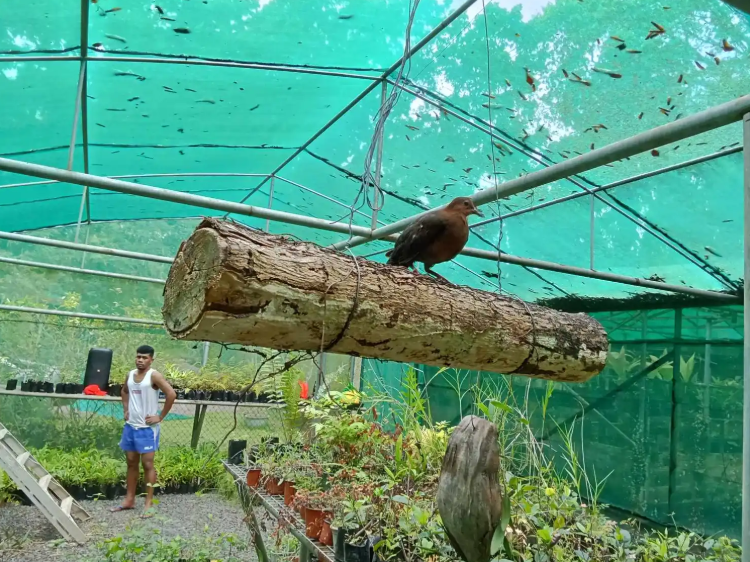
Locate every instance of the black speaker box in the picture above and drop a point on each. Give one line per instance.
(236, 451)
(98, 366)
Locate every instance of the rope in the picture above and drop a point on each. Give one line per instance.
(383, 112)
(532, 349)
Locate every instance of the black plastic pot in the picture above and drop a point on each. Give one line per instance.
(181, 394)
(354, 553)
(339, 538)
(190, 395)
(201, 395)
(231, 396)
(11, 384)
(262, 397)
(34, 386)
(252, 397)
(26, 386)
(49, 387)
(60, 388)
(77, 389)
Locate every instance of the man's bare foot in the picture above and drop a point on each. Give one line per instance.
(124, 507)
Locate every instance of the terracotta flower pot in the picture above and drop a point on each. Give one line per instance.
(313, 523)
(302, 510)
(326, 535)
(273, 487)
(253, 477)
(289, 492)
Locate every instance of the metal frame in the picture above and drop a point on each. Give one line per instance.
(710, 119)
(427, 38)
(696, 124)
(51, 312)
(301, 220)
(543, 161)
(746, 360)
(68, 269)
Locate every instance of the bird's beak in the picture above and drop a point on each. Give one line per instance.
(478, 212)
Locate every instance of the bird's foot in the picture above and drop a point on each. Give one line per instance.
(438, 277)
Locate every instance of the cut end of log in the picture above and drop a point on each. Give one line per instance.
(198, 266)
(233, 284)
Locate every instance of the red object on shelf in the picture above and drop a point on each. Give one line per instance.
(253, 477)
(289, 492)
(305, 390)
(313, 523)
(94, 390)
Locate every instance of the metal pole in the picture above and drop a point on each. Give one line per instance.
(270, 203)
(83, 247)
(379, 160)
(618, 183)
(206, 348)
(78, 315)
(674, 414)
(707, 373)
(231, 64)
(746, 342)
(76, 116)
(82, 103)
(56, 267)
(583, 272)
(591, 233)
(712, 118)
(130, 176)
(71, 151)
(429, 37)
(119, 186)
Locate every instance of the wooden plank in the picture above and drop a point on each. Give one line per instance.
(27, 483)
(66, 504)
(44, 481)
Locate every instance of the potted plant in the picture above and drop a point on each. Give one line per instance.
(253, 476)
(314, 514)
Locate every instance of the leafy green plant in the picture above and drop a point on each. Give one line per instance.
(142, 543)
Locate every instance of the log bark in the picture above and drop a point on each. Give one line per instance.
(469, 499)
(232, 284)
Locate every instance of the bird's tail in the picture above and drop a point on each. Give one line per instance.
(389, 255)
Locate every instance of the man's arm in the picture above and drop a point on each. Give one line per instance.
(161, 383)
(125, 395)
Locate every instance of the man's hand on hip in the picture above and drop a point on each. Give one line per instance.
(153, 420)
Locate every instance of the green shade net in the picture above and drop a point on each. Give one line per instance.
(666, 445)
(562, 77)
(259, 88)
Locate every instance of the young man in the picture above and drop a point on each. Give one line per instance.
(140, 436)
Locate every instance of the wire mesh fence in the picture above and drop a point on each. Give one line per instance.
(80, 423)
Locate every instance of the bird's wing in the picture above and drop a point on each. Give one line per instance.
(416, 238)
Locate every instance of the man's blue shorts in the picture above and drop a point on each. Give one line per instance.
(140, 440)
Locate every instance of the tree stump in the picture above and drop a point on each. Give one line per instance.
(469, 498)
(232, 284)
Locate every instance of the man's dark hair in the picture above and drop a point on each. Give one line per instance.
(145, 350)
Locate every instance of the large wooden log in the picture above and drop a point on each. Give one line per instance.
(468, 496)
(232, 284)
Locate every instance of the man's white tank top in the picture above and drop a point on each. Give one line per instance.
(143, 401)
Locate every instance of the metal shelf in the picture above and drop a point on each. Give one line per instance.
(274, 505)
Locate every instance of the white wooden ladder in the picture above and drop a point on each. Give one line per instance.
(45, 492)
